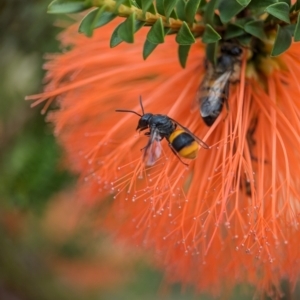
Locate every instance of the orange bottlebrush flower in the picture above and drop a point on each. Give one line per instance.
(232, 216)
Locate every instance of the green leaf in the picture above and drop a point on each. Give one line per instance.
(282, 42)
(103, 17)
(138, 3)
(170, 31)
(297, 5)
(202, 4)
(233, 30)
(228, 9)
(256, 28)
(86, 25)
(211, 52)
(134, 3)
(291, 28)
(297, 30)
(124, 2)
(160, 7)
(174, 15)
(147, 6)
(243, 2)
(184, 35)
(191, 9)
(156, 33)
(241, 22)
(210, 35)
(138, 25)
(210, 11)
(167, 31)
(94, 19)
(183, 52)
(245, 40)
(63, 7)
(148, 48)
(288, 2)
(217, 21)
(292, 8)
(261, 4)
(169, 6)
(279, 10)
(127, 29)
(115, 40)
(180, 9)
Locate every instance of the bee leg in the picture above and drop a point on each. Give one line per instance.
(250, 137)
(246, 187)
(251, 141)
(235, 81)
(226, 94)
(236, 71)
(227, 108)
(174, 151)
(254, 158)
(147, 134)
(206, 64)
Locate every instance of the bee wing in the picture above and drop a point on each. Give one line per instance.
(199, 141)
(220, 82)
(212, 90)
(153, 149)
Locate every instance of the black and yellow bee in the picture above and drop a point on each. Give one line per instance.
(214, 89)
(182, 141)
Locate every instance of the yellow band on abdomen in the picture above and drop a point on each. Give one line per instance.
(190, 151)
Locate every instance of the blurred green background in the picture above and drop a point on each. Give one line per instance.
(48, 248)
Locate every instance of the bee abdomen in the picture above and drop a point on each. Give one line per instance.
(211, 105)
(184, 144)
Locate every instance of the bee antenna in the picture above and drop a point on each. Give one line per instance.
(142, 105)
(130, 111)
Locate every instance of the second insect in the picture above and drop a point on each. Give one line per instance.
(182, 142)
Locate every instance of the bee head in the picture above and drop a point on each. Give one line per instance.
(231, 49)
(144, 122)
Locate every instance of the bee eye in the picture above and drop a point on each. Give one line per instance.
(231, 50)
(236, 50)
(143, 123)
